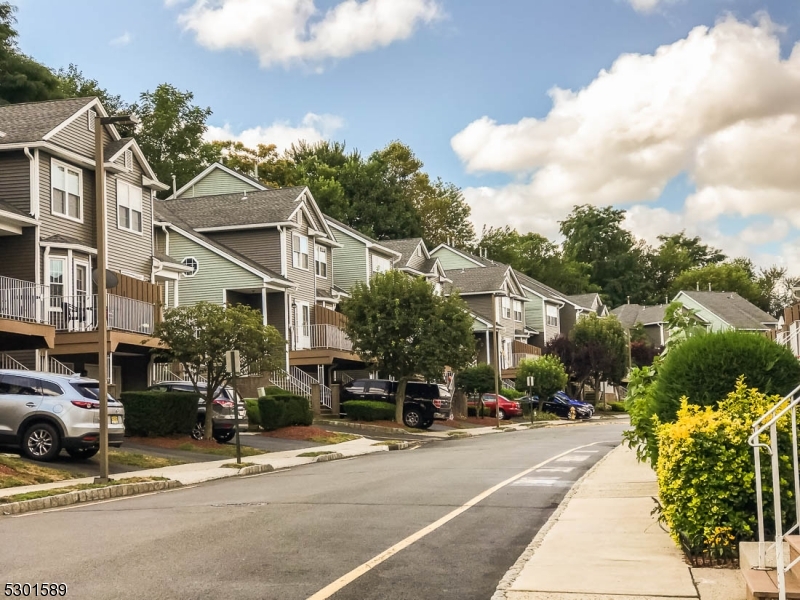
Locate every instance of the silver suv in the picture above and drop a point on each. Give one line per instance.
(43, 413)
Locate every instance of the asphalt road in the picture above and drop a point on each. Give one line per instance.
(289, 534)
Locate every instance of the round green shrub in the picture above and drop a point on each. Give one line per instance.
(705, 369)
(617, 407)
(159, 413)
(368, 410)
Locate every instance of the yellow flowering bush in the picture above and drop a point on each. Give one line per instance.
(706, 475)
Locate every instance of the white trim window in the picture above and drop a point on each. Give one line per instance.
(299, 251)
(552, 316)
(321, 260)
(506, 303)
(129, 207)
(191, 262)
(517, 310)
(380, 264)
(67, 191)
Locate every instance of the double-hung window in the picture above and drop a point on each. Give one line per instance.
(552, 316)
(299, 251)
(517, 310)
(67, 199)
(321, 260)
(129, 207)
(506, 303)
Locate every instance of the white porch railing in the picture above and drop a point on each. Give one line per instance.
(310, 337)
(290, 383)
(48, 364)
(791, 338)
(767, 425)
(79, 313)
(21, 300)
(165, 372)
(7, 362)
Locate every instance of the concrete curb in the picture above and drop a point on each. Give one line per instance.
(363, 427)
(256, 469)
(398, 446)
(329, 457)
(511, 575)
(90, 495)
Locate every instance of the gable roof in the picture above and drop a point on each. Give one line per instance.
(477, 281)
(478, 261)
(539, 288)
(733, 309)
(584, 300)
(217, 166)
(406, 248)
(164, 215)
(237, 209)
(631, 314)
(355, 234)
(113, 148)
(32, 121)
(6, 207)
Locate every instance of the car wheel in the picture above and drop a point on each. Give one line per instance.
(82, 453)
(198, 431)
(501, 414)
(426, 424)
(412, 417)
(224, 437)
(41, 442)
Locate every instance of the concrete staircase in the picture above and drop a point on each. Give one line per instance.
(763, 583)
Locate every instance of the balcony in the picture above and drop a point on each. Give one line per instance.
(312, 337)
(79, 314)
(21, 300)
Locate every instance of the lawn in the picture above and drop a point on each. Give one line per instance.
(185, 443)
(144, 461)
(316, 435)
(15, 472)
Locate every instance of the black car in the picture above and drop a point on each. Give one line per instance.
(559, 407)
(222, 418)
(425, 402)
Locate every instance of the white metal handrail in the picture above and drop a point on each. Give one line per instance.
(309, 337)
(768, 423)
(55, 366)
(288, 382)
(9, 362)
(21, 300)
(79, 313)
(127, 314)
(164, 372)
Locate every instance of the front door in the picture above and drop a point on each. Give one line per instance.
(303, 326)
(83, 299)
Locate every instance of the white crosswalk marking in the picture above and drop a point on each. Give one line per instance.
(536, 482)
(573, 458)
(555, 470)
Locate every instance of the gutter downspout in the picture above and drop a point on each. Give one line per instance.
(34, 210)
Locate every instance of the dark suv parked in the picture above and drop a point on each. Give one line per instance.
(424, 403)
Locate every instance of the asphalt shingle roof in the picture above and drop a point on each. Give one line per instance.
(31, 121)
(733, 309)
(4, 206)
(405, 247)
(163, 213)
(166, 258)
(113, 147)
(630, 314)
(539, 287)
(487, 279)
(63, 239)
(231, 210)
(582, 300)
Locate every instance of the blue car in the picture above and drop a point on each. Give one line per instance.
(564, 396)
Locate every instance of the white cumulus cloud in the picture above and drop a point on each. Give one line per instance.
(288, 32)
(721, 105)
(122, 40)
(648, 6)
(313, 128)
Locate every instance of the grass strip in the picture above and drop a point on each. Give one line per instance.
(76, 488)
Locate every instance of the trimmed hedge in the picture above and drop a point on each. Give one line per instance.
(253, 416)
(283, 409)
(617, 406)
(366, 410)
(705, 368)
(511, 393)
(159, 413)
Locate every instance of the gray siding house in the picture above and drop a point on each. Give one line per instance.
(47, 213)
(415, 260)
(724, 311)
(652, 318)
(358, 257)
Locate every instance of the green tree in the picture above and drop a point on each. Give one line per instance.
(604, 347)
(478, 380)
(676, 254)
(405, 329)
(549, 377)
(619, 264)
(537, 257)
(725, 277)
(74, 84)
(444, 214)
(22, 79)
(171, 133)
(198, 337)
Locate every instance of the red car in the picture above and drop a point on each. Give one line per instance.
(508, 408)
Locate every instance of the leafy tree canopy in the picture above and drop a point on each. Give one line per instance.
(549, 376)
(406, 330)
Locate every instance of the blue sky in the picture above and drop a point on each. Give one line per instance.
(457, 62)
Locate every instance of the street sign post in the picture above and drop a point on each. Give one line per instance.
(530, 395)
(234, 366)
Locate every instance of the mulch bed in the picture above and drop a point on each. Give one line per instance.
(298, 432)
(172, 442)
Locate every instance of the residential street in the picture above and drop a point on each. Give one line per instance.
(289, 534)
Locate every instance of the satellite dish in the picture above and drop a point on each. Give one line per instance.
(111, 278)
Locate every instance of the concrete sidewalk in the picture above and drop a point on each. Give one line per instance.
(603, 544)
(198, 472)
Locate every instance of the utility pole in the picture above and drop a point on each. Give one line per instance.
(233, 366)
(497, 363)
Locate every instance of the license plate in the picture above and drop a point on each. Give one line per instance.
(116, 419)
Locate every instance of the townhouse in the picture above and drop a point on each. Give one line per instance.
(652, 318)
(723, 311)
(48, 317)
(416, 261)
